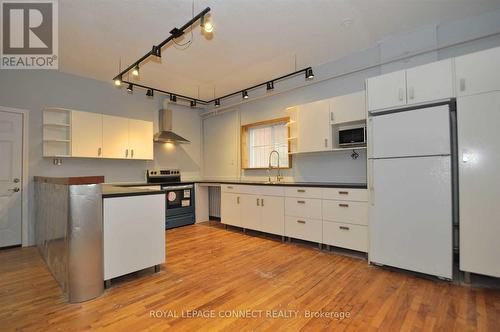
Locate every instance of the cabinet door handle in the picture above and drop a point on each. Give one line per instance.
(229, 187)
(132, 153)
(262, 202)
(331, 116)
(345, 228)
(126, 153)
(301, 191)
(462, 84)
(238, 200)
(411, 92)
(326, 142)
(301, 202)
(401, 94)
(301, 221)
(99, 151)
(258, 202)
(343, 193)
(344, 205)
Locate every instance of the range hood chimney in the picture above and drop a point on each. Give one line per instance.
(166, 135)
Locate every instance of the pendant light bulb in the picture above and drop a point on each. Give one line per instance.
(118, 82)
(135, 71)
(208, 27)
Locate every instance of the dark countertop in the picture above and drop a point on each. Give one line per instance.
(109, 190)
(290, 184)
(259, 183)
(70, 180)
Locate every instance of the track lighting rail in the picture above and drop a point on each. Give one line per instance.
(175, 33)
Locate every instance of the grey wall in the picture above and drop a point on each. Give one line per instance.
(33, 90)
(339, 77)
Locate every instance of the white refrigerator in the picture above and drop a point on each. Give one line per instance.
(410, 182)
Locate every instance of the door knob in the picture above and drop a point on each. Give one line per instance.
(15, 190)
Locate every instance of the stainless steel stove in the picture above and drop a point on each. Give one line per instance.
(179, 196)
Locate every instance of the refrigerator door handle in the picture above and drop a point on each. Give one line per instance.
(370, 182)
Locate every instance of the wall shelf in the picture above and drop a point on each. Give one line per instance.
(56, 132)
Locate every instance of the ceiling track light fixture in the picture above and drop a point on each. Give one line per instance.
(130, 88)
(217, 102)
(244, 94)
(173, 98)
(135, 71)
(156, 49)
(193, 103)
(118, 80)
(270, 86)
(150, 93)
(309, 73)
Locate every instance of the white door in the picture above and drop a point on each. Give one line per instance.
(250, 212)
(479, 160)
(424, 131)
(140, 139)
(430, 82)
(348, 108)
(478, 72)
(11, 151)
(314, 129)
(411, 214)
(230, 209)
(387, 90)
(86, 134)
(273, 215)
(115, 137)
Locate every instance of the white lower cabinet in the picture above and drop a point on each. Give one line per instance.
(303, 228)
(230, 209)
(348, 236)
(273, 218)
(337, 217)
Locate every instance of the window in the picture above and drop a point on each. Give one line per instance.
(259, 139)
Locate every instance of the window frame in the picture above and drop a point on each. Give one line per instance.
(245, 134)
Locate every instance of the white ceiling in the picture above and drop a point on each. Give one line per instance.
(253, 40)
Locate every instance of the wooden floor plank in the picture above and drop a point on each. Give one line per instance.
(217, 271)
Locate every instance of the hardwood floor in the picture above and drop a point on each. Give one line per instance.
(218, 272)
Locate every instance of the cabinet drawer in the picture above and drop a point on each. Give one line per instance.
(303, 228)
(346, 194)
(230, 188)
(303, 207)
(306, 192)
(345, 211)
(354, 237)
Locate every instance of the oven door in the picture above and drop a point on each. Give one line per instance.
(179, 196)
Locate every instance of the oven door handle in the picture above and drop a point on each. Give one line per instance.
(170, 188)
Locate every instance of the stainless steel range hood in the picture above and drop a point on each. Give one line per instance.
(166, 134)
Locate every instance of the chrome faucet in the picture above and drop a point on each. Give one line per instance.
(279, 177)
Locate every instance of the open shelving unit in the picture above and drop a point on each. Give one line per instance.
(56, 132)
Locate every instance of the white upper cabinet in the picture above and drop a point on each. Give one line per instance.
(314, 129)
(348, 108)
(86, 134)
(140, 139)
(430, 82)
(388, 90)
(478, 72)
(115, 137)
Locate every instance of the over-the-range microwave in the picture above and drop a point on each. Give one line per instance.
(354, 135)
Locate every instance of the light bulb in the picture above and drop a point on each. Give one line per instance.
(208, 27)
(118, 82)
(135, 71)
